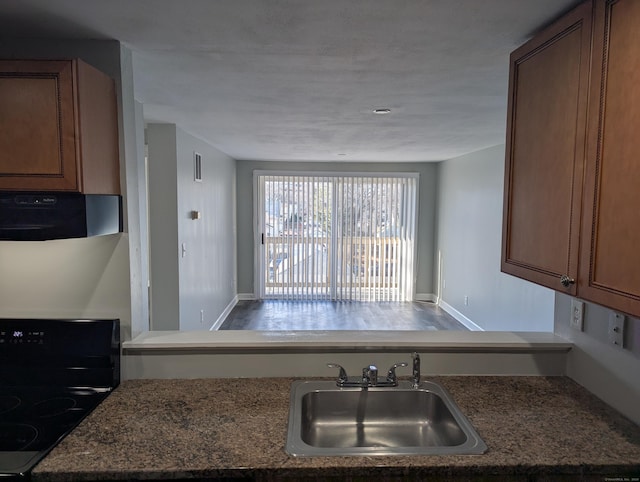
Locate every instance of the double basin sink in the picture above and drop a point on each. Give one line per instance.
(326, 420)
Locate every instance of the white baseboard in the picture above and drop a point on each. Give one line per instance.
(224, 314)
(246, 296)
(459, 316)
(429, 297)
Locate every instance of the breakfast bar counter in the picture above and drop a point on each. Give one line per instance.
(536, 428)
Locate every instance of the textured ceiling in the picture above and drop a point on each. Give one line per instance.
(299, 79)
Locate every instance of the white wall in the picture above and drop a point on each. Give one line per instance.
(163, 227)
(208, 271)
(426, 212)
(611, 373)
(135, 195)
(85, 277)
(469, 239)
(203, 280)
(67, 278)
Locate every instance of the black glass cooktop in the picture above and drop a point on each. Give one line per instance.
(35, 418)
(53, 373)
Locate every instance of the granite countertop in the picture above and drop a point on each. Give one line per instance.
(548, 427)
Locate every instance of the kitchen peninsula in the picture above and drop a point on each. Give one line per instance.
(536, 428)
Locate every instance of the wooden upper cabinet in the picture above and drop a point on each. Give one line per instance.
(546, 123)
(58, 127)
(610, 261)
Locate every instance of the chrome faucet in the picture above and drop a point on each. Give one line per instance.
(416, 369)
(369, 377)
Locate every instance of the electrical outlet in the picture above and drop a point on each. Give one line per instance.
(202, 317)
(466, 301)
(577, 314)
(616, 329)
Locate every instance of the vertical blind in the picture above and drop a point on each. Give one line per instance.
(348, 238)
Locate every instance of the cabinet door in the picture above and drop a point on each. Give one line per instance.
(37, 143)
(610, 261)
(546, 124)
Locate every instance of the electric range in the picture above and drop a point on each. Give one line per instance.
(53, 373)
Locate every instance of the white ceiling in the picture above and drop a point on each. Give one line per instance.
(299, 79)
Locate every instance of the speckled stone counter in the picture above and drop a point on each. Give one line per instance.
(535, 428)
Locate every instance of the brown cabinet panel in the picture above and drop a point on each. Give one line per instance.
(544, 152)
(36, 125)
(58, 127)
(610, 263)
(20, 129)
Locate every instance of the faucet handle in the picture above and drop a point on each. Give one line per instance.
(391, 374)
(342, 376)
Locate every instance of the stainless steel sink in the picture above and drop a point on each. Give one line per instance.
(327, 420)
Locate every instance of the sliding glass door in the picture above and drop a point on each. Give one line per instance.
(336, 237)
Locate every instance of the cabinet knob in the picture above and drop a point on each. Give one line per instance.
(566, 281)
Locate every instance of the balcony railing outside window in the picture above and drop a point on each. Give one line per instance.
(338, 237)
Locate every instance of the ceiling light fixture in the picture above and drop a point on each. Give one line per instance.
(382, 111)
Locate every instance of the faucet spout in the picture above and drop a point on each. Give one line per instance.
(373, 375)
(416, 369)
(369, 376)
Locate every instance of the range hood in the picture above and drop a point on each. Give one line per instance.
(39, 216)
